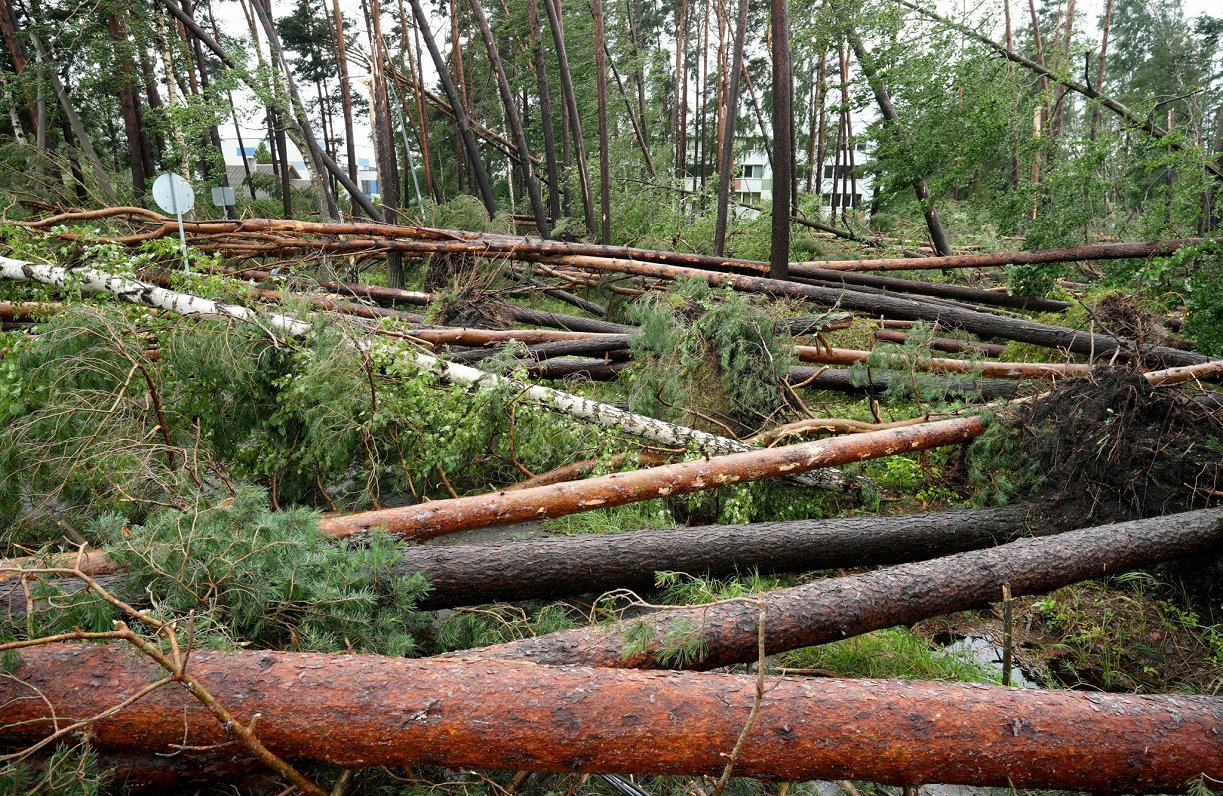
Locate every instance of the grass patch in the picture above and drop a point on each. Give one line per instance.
(893, 653)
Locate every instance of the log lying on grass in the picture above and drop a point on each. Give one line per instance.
(1030, 370)
(827, 378)
(425, 520)
(362, 710)
(709, 636)
(472, 574)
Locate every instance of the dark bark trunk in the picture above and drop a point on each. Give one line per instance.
(545, 109)
(500, 715)
(939, 289)
(553, 9)
(601, 99)
(125, 78)
(726, 155)
(460, 113)
(513, 119)
(783, 123)
(825, 378)
(341, 57)
(563, 566)
(835, 608)
(937, 235)
(440, 517)
(384, 141)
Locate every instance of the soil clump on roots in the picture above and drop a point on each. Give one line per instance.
(1111, 447)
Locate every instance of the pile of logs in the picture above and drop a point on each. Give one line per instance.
(584, 700)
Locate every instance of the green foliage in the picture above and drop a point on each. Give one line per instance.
(711, 351)
(68, 771)
(271, 579)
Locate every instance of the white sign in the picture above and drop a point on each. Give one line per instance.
(223, 195)
(173, 194)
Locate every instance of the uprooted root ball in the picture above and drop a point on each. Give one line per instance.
(1112, 446)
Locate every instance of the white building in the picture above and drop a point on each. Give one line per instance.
(838, 185)
(299, 172)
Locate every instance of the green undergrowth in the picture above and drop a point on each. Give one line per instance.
(248, 576)
(895, 653)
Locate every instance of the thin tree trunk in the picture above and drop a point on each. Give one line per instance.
(1108, 21)
(638, 133)
(779, 249)
(513, 119)
(307, 142)
(545, 108)
(384, 140)
(935, 226)
(553, 10)
(604, 154)
(681, 91)
(74, 123)
(726, 156)
(441, 517)
(460, 112)
(1059, 103)
(341, 50)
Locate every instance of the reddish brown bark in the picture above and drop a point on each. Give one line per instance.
(944, 344)
(440, 517)
(360, 710)
(826, 610)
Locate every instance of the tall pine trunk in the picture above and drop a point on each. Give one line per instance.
(601, 97)
(726, 156)
(545, 108)
(783, 145)
(553, 9)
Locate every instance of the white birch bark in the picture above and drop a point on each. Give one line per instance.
(656, 431)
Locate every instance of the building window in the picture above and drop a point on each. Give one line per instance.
(840, 172)
(753, 172)
(369, 187)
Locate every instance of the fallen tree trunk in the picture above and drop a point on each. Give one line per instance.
(657, 431)
(944, 344)
(551, 568)
(1103, 251)
(363, 710)
(438, 517)
(840, 379)
(561, 566)
(725, 633)
(958, 292)
(1029, 370)
(982, 324)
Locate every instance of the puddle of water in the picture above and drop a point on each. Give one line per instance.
(988, 653)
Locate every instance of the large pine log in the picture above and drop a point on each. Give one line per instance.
(550, 568)
(362, 710)
(826, 610)
(439, 517)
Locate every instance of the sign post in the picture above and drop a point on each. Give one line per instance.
(173, 194)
